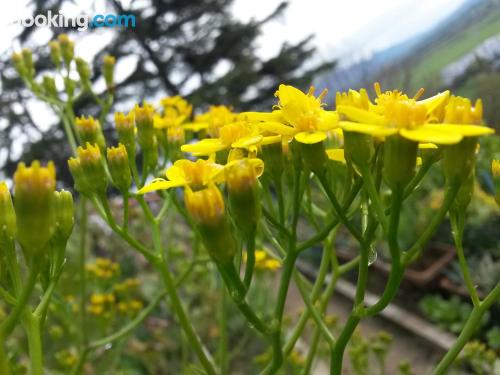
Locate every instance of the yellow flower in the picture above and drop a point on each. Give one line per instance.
(206, 205)
(216, 117)
(396, 113)
(263, 261)
(174, 106)
(303, 116)
(235, 135)
(195, 174)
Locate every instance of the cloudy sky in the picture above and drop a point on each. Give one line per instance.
(348, 29)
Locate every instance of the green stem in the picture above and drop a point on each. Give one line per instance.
(223, 352)
(457, 224)
(371, 190)
(176, 304)
(83, 275)
(397, 269)
(22, 300)
(32, 327)
(469, 329)
(4, 361)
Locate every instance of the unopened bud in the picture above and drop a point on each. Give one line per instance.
(7, 215)
(17, 61)
(83, 71)
(207, 209)
(108, 69)
(119, 167)
(34, 188)
(90, 131)
(67, 49)
(242, 186)
(55, 53)
(88, 170)
(400, 160)
(49, 86)
(144, 122)
(358, 149)
(459, 160)
(64, 216)
(28, 62)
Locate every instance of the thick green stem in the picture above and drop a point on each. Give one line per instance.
(250, 259)
(223, 339)
(32, 327)
(469, 329)
(82, 246)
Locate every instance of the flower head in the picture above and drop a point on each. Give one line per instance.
(7, 215)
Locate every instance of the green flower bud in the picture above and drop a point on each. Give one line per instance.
(88, 171)
(108, 69)
(459, 160)
(125, 126)
(83, 71)
(119, 167)
(90, 131)
(314, 155)
(7, 215)
(242, 185)
(273, 157)
(464, 196)
(17, 61)
(400, 160)
(64, 216)
(28, 62)
(34, 188)
(207, 209)
(67, 49)
(151, 156)
(144, 122)
(358, 149)
(55, 53)
(49, 86)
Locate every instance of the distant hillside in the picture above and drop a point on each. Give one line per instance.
(419, 61)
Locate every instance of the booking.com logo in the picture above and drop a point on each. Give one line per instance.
(81, 22)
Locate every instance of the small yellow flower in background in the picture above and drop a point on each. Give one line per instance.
(264, 262)
(296, 358)
(176, 106)
(303, 116)
(103, 268)
(101, 303)
(66, 358)
(176, 134)
(127, 285)
(195, 174)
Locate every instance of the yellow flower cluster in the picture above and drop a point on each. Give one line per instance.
(99, 304)
(103, 268)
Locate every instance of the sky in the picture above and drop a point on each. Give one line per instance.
(346, 29)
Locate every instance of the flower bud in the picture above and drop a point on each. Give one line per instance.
(55, 53)
(119, 167)
(400, 159)
(28, 62)
(495, 171)
(242, 186)
(7, 215)
(34, 188)
(125, 126)
(49, 86)
(151, 156)
(206, 207)
(83, 71)
(274, 159)
(314, 155)
(64, 216)
(108, 69)
(90, 131)
(17, 61)
(88, 170)
(464, 196)
(67, 49)
(459, 160)
(145, 127)
(358, 149)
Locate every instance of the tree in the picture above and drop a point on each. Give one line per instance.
(181, 47)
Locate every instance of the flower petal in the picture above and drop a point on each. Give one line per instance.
(336, 154)
(328, 120)
(204, 147)
(425, 146)
(360, 115)
(310, 138)
(195, 126)
(261, 116)
(468, 130)
(370, 129)
(247, 141)
(160, 184)
(434, 102)
(277, 128)
(431, 133)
